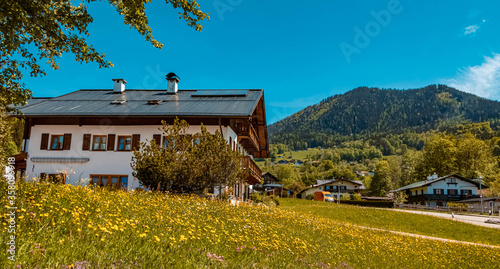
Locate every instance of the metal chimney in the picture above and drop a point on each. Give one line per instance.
(173, 79)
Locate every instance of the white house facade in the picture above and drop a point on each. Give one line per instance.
(91, 134)
(336, 187)
(438, 191)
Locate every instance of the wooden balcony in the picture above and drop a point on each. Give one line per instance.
(20, 161)
(254, 172)
(247, 136)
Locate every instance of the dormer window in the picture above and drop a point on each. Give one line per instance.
(117, 102)
(154, 102)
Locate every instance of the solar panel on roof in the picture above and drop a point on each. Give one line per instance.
(220, 93)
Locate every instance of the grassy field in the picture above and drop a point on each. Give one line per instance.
(62, 226)
(395, 221)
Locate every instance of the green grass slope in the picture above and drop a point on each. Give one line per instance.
(395, 221)
(61, 226)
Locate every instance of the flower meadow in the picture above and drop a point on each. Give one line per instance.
(63, 226)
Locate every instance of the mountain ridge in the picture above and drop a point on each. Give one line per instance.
(367, 111)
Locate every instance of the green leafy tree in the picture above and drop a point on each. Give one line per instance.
(326, 165)
(284, 172)
(473, 156)
(439, 156)
(214, 162)
(187, 162)
(494, 190)
(295, 186)
(395, 170)
(6, 147)
(356, 197)
(380, 183)
(45, 30)
(164, 167)
(409, 164)
(400, 197)
(149, 165)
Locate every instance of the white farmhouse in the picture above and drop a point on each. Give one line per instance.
(438, 191)
(336, 187)
(93, 132)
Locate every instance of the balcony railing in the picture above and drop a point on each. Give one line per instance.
(439, 197)
(254, 172)
(246, 133)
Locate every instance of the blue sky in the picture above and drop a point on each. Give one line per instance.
(299, 52)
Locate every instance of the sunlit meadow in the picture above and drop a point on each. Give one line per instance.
(63, 226)
(396, 221)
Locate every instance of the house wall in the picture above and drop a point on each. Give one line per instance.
(311, 191)
(349, 187)
(100, 162)
(461, 185)
(419, 191)
(443, 184)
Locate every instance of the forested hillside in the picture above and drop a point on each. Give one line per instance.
(374, 113)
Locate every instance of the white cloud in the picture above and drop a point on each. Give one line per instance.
(482, 80)
(471, 29)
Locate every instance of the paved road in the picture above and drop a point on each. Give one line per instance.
(476, 220)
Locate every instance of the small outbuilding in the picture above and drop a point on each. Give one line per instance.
(489, 203)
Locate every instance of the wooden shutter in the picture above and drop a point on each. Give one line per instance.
(136, 140)
(86, 141)
(67, 142)
(45, 142)
(111, 142)
(157, 139)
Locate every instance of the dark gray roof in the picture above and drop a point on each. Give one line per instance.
(33, 101)
(475, 200)
(98, 103)
(334, 181)
(271, 175)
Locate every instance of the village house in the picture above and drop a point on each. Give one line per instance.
(282, 162)
(438, 191)
(299, 162)
(272, 185)
(336, 187)
(361, 173)
(93, 132)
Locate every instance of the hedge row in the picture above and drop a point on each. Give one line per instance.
(384, 204)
